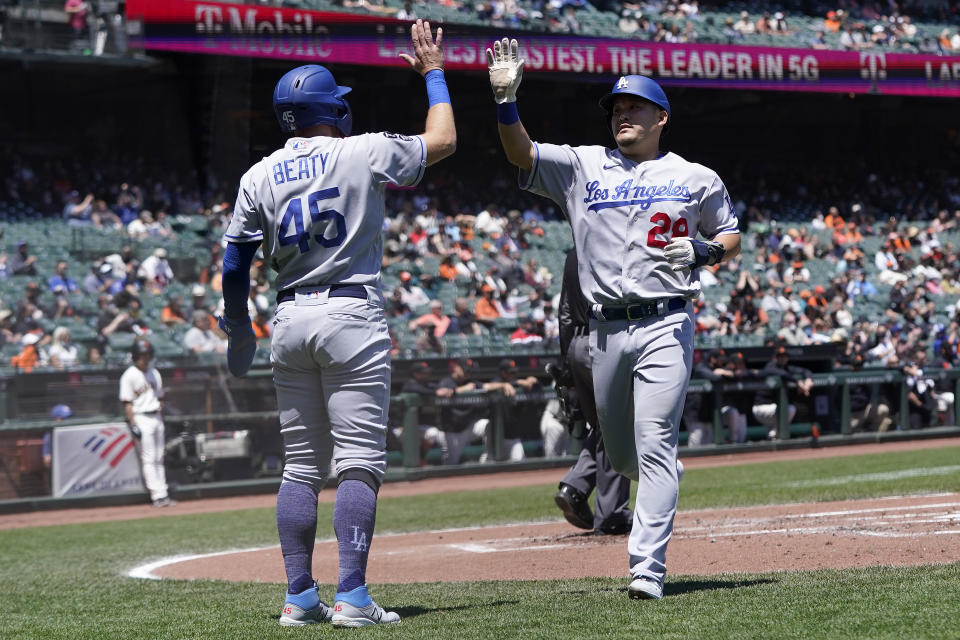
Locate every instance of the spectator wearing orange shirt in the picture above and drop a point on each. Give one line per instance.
(261, 324)
(487, 308)
(435, 318)
(844, 235)
(28, 357)
(899, 243)
(447, 270)
(173, 313)
(853, 234)
(816, 303)
(833, 219)
(831, 23)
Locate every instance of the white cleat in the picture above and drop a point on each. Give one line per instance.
(345, 615)
(644, 588)
(304, 608)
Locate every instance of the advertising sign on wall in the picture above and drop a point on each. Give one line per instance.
(94, 459)
(300, 35)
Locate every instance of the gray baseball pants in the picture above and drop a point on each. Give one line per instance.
(641, 370)
(331, 369)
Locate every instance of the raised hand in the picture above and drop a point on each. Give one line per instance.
(506, 70)
(428, 53)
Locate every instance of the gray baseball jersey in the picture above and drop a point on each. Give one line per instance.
(623, 214)
(317, 205)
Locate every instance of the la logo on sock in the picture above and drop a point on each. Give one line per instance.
(359, 539)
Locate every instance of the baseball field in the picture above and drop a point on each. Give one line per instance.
(852, 542)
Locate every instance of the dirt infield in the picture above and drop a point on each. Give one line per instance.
(892, 531)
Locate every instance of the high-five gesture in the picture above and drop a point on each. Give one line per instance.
(428, 53)
(506, 70)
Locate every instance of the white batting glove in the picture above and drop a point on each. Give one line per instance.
(687, 253)
(506, 70)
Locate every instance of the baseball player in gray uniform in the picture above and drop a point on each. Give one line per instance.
(317, 207)
(635, 214)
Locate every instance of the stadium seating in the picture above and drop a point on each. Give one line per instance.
(708, 24)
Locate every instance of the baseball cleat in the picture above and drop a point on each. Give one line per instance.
(574, 506)
(616, 529)
(644, 588)
(305, 607)
(356, 609)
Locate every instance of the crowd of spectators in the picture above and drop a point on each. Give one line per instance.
(858, 25)
(855, 256)
(96, 27)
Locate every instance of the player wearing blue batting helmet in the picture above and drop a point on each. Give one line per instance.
(640, 86)
(307, 96)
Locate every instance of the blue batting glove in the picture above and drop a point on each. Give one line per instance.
(241, 344)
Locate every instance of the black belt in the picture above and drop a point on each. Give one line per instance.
(640, 310)
(336, 291)
(581, 331)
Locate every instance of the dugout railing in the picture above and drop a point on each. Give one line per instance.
(252, 408)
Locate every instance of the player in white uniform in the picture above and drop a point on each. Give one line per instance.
(141, 392)
(635, 214)
(317, 207)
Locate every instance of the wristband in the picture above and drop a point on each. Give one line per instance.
(507, 113)
(436, 87)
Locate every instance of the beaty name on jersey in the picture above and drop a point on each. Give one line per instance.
(628, 193)
(304, 168)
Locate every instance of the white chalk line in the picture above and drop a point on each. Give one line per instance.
(147, 571)
(875, 477)
(495, 548)
(851, 515)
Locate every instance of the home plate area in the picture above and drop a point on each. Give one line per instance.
(901, 531)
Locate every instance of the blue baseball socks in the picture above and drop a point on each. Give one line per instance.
(297, 525)
(354, 516)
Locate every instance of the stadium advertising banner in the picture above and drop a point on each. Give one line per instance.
(299, 35)
(94, 459)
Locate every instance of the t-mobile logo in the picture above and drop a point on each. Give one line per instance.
(359, 539)
(873, 67)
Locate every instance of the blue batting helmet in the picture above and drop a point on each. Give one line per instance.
(309, 95)
(640, 86)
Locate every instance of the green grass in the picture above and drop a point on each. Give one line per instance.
(68, 581)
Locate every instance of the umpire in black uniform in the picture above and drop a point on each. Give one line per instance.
(592, 469)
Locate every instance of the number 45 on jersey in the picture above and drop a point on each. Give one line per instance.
(327, 218)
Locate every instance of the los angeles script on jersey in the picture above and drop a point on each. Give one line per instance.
(627, 193)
